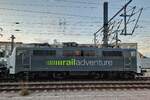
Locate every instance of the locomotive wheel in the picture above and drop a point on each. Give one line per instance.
(59, 75)
(128, 76)
(131, 76)
(95, 75)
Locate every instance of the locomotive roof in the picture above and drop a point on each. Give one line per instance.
(73, 48)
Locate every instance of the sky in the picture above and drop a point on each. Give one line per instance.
(68, 21)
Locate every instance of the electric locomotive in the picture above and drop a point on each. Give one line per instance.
(72, 59)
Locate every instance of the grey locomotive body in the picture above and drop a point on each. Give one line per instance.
(65, 61)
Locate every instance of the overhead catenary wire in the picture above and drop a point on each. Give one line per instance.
(50, 5)
(79, 2)
(52, 13)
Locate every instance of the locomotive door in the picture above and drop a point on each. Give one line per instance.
(26, 60)
(127, 60)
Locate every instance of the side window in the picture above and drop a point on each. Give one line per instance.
(127, 54)
(133, 53)
(68, 53)
(112, 54)
(88, 53)
(44, 52)
(79, 53)
(71, 53)
(20, 52)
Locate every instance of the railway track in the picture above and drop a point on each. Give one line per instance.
(82, 79)
(74, 85)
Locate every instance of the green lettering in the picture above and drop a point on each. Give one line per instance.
(63, 63)
(56, 62)
(69, 62)
(50, 62)
(59, 63)
(73, 62)
(53, 62)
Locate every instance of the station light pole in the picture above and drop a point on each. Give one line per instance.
(12, 42)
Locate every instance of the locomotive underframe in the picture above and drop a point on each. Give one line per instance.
(70, 75)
